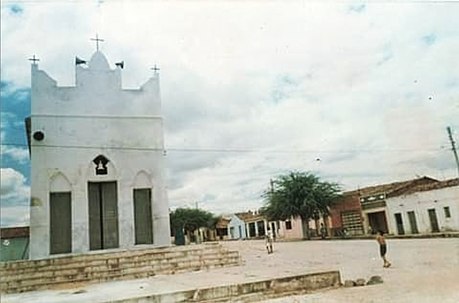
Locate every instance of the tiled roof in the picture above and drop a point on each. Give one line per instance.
(223, 222)
(14, 232)
(392, 189)
(250, 216)
(431, 186)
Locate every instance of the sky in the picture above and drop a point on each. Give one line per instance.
(359, 93)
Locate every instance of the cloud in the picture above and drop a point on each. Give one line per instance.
(18, 154)
(14, 216)
(16, 9)
(13, 187)
(358, 8)
(253, 90)
(429, 39)
(14, 198)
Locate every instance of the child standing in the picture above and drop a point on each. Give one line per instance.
(269, 241)
(382, 247)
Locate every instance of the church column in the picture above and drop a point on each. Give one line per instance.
(161, 223)
(80, 220)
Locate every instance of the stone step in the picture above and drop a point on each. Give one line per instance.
(248, 291)
(53, 282)
(45, 274)
(145, 259)
(151, 266)
(168, 252)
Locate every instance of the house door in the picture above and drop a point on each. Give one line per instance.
(378, 221)
(252, 230)
(399, 223)
(60, 223)
(103, 215)
(273, 229)
(433, 220)
(413, 224)
(261, 228)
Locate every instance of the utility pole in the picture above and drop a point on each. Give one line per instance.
(453, 147)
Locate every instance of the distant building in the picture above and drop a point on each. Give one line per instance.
(290, 229)
(236, 228)
(253, 225)
(14, 243)
(364, 211)
(97, 171)
(221, 228)
(425, 208)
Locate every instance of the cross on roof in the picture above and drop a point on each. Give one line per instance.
(97, 41)
(155, 69)
(34, 59)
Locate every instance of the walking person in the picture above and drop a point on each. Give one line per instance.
(382, 248)
(269, 241)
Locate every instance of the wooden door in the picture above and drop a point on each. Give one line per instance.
(413, 223)
(143, 216)
(60, 207)
(433, 220)
(103, 215)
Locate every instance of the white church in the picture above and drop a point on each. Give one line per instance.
(97, 163)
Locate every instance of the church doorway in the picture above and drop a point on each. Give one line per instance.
(142, 216)
(103, 215)
(60, 209)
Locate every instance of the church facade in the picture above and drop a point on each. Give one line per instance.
(97, 163)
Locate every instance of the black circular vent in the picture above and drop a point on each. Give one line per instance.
(38, 135)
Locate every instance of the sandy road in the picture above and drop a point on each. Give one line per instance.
(423, 270)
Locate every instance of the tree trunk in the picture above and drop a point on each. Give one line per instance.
(317, 223)
(305, 227)
(325, 218)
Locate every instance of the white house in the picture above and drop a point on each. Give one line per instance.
(426, 208)
(97, 172)
(291, 229)
(236, 228)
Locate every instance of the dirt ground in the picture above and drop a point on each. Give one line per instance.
(423, 270)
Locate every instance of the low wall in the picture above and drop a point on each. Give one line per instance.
(249, 291)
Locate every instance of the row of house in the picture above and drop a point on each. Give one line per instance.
(419, 206)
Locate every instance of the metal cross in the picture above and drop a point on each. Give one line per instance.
(97, 41)
(155, 68)
(34, 59)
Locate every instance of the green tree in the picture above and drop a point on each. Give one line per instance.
(190, 219)
(299, 194)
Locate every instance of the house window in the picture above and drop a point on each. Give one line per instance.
(447, 212)
(288, 224)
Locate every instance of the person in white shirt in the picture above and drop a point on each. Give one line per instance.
(269, 241)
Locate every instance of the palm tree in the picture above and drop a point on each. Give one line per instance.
(299, 194)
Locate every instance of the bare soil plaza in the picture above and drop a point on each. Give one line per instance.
(423, 270)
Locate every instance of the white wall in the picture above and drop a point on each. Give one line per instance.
(96, 117)
(420, 202)
(295, 233)
(234, 226)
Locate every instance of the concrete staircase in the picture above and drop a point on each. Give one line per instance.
(68, 271)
